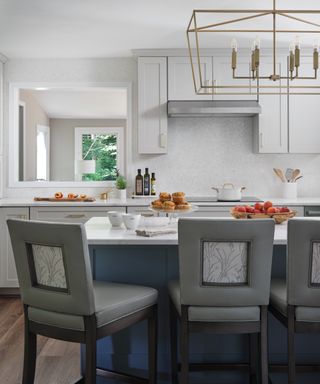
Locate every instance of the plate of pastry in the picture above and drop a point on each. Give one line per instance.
(172, 203)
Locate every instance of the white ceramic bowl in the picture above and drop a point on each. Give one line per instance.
(131, 221)
(115, 218)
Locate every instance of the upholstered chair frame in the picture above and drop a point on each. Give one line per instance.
(259, 235)
(303, 233)
(76, 299)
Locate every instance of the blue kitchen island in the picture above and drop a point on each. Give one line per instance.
(119, 255)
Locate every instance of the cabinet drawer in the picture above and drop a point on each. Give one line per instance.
(70, 214)
(141, 210)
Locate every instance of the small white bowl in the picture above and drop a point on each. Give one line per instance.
(115, 218)
(131, 221)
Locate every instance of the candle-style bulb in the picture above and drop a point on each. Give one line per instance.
(234, 45)
(291, 47)
(297, 42)
(316, 45)
(257, 42)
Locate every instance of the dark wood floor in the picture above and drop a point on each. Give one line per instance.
(57, 363)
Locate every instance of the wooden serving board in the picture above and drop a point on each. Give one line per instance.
(65, 199)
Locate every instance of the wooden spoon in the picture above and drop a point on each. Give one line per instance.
(279, 173)
(295, 174)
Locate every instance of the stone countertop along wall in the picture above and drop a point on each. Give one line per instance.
(26, 202)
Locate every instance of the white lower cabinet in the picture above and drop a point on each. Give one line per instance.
(210, 212)
(8, 274)
(70, 214)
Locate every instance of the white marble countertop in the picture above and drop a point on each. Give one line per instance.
(100, 232)
(16, 202)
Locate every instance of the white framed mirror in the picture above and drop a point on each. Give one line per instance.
(68, 134)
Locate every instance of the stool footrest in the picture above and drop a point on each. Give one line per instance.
(126, 378)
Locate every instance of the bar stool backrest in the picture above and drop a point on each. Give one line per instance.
(225, 262)
(53, 266)
(303, 262)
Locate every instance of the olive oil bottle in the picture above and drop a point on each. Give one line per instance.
(153, 184)
(146, 182)
(139, 183)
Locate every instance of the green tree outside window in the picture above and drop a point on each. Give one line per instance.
(103, 149)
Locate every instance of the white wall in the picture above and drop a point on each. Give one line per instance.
(62, 143)
(34, 115)
(206, 152)
(202, 152)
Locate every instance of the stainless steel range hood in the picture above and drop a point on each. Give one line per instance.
(206, 108)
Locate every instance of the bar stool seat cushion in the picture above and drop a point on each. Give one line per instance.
(112, 302)
(214, 314)
(278, 299)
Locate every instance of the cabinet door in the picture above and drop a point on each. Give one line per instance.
(180, 81)
(70, 214)
(8, 273)
(271, 126)
(222, 76)
(1, 107)
(152, 105)
(304, 122)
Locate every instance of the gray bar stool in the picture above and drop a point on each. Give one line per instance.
(62, 301)
(225, 270)
(296, 302)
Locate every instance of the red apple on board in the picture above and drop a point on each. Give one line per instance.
(267, 205)
(241, 209)
(258, 206)
(284, 210)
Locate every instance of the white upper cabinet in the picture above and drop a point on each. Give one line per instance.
(304, 121)
(271, 128)
(152, 105)
(222, 76)
(180, 79)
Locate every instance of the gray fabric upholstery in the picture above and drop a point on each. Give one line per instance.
(258, 234)
(278, 299)
(302, 233)
(72, 239)
(214, 314)
(112, 302)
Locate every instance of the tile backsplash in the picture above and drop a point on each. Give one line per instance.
(205, 152)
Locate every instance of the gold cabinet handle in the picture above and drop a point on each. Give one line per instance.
(73, 216)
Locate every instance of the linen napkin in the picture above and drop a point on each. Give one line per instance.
(151, 232)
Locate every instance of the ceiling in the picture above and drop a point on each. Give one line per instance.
(106, 28)
(104, 103)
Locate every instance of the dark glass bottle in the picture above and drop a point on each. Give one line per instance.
(146, 182)
(139, 183)
(153, 184)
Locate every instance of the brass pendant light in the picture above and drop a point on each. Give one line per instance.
(279, 83)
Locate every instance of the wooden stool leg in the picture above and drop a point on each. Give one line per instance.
(291, 351)
(30, 354)
(173, 342)
(184, 345)
(91, 349)
(253, 357)
(152, 340)
(264, 345)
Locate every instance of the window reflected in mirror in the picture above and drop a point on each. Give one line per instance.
(69, 134)
(97, 153)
